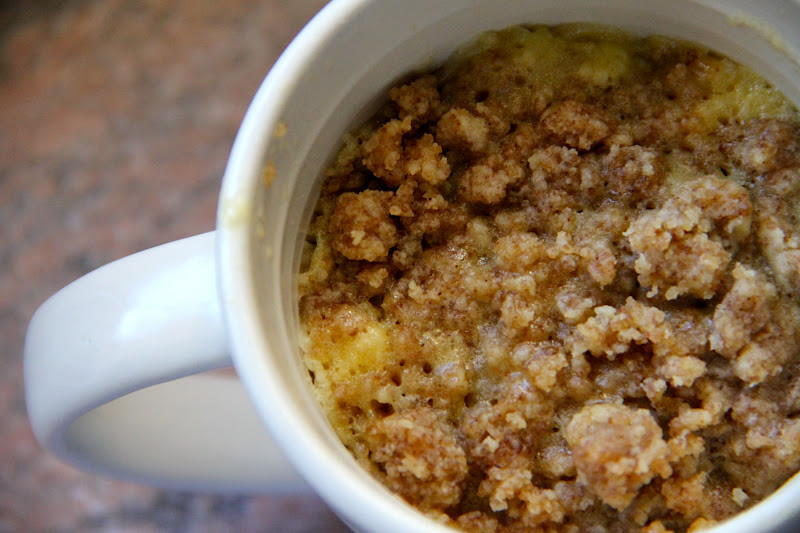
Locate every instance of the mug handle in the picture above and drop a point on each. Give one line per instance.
(116, 378)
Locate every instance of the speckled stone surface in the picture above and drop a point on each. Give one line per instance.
(116, 118)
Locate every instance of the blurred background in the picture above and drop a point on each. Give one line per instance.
(116, 119)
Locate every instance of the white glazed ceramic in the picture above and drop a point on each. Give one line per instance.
(103, 357)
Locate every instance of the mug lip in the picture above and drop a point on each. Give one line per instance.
(355, 501)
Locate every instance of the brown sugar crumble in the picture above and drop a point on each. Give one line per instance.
(552, 286)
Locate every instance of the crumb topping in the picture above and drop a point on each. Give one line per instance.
(552, 286)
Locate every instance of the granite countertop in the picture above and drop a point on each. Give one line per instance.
(116, 119)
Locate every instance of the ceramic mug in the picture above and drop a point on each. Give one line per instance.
(115, 362)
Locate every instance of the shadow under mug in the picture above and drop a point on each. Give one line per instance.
(116, 363)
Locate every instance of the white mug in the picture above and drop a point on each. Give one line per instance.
(114, 362)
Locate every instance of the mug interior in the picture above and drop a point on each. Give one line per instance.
(334, 76)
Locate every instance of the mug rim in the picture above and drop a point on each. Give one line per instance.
(355, 501)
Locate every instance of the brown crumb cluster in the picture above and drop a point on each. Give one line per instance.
(552, 286)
